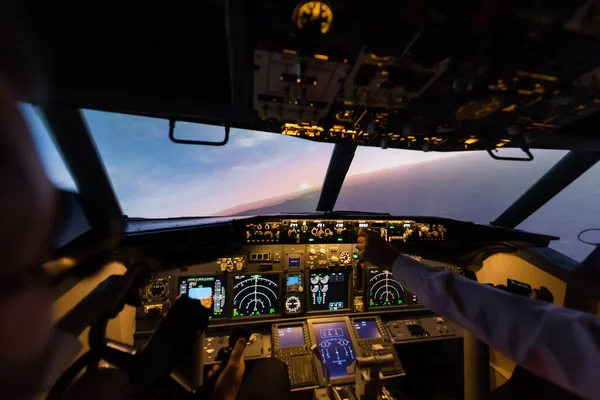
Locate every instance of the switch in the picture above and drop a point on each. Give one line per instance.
(377, 347)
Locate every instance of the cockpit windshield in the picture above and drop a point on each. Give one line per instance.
(264, 173)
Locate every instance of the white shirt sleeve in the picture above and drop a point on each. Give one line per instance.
(65, 348)
(558, 344)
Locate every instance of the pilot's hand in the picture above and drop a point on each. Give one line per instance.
(206, 302)
(229, 382)
(375, 249)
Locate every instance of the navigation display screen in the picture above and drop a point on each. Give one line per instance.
(384, 291)
(367, 329)
(328, 290)
(290, 336)
(255, 294)
(210, 290)
(335, 346)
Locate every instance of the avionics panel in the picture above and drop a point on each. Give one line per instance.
(291, 344)
(328, 290)
(373, 340)
(209, 289)
(383, 290)
(336, 345)
(256, 294)
(342, 231)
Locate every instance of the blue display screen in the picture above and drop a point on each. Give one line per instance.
(367, 329)
(335, 346)
(290, 336)
(293, 283)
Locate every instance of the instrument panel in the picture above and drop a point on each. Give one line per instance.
(340, 231)
(294, 266)
(334, 281)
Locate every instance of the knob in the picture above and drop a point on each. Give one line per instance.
(323, 250)
(312, 250)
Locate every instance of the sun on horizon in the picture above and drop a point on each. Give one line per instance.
(304, 185)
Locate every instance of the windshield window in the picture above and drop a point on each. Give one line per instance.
(155, 178)
(469, 186)
(571, 211)
(53, 163)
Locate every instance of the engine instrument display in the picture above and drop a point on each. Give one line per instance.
(335, 345)
(384, 291)
(255, 294)
(290, 336)
(328, 290)
(367, 329)
(210, 290)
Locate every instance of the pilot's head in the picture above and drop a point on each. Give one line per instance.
(27, 215)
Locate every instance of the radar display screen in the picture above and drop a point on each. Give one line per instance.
(328, 290)
(255, 294)
(210, 290)
(384, 291)
(367, 329)
(335, 345)
(293, 283)
(290, 336)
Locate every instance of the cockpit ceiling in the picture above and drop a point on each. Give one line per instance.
(430, 76)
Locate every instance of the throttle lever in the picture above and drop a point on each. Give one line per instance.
(237, 334)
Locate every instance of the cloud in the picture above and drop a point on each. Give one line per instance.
(251, 138)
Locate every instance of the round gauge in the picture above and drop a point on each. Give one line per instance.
(477, 109)
(313, 15)
(156, 290)
(345, 257)
(293, 304)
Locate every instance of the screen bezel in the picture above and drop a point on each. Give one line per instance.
(368, 291)
(279, 296)
(225, 281)
(357, 351)
(348, 277)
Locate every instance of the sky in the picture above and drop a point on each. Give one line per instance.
(154, 177)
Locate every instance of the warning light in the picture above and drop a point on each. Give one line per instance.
(340, 239)
(311, 239)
